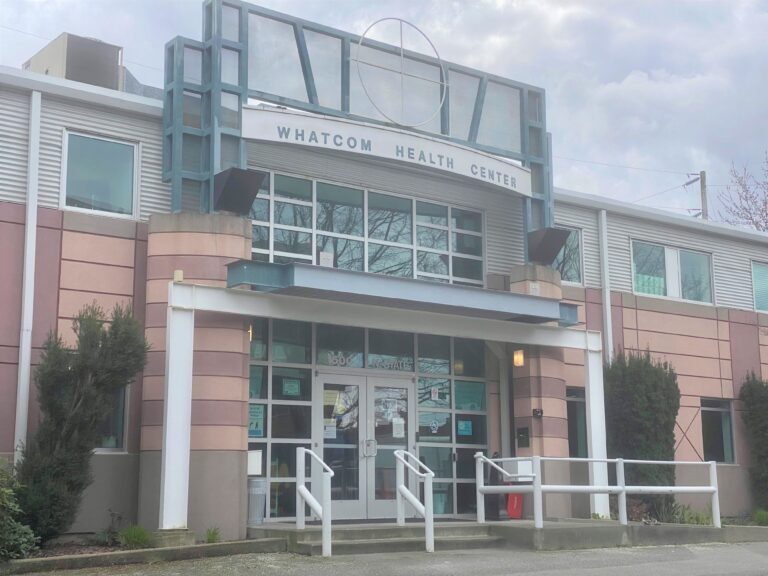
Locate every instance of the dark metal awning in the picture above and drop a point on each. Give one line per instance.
(324, 283)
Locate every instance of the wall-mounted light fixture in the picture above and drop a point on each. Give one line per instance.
(518, 358)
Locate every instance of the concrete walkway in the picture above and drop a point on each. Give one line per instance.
(692, 560)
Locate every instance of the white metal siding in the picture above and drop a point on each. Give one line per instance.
(58, 115)
(731, 259)
(14, 144)
(503, 213)
(587, 221)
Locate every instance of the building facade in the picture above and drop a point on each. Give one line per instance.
(383, 288)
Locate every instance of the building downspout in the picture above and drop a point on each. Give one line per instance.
(28, 282)
(605, 276)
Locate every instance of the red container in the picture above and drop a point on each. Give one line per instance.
(515, 506)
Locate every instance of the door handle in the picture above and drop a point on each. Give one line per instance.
(370, 448)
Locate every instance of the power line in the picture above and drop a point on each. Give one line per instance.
(621, 166)
(658, 193)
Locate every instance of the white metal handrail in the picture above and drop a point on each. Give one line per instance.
(425, 510)
(620, 488)
(322, 511)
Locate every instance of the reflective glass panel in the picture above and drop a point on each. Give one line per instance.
(466, 268)
(466, 220)
(339, 209)
(389, 218)
(466, 497)
(230, 110)
(649, 268)
(390, 260)
(273, 59)
(760, 285)
(257, 383)
(290, 187)
(442, 497)
(292, 241)
(325, 56)
(345, 463)
(340, 346)
(257, 333)
(193, 65)
(260, 237)
(468, 244)
(341, 415)
(432, 238)
(438, 460)
(230, 151)
(696, 276)
(291, 342)
(347, 254)
(290, 421)
(470, 395)
(291, 384)
(434, 392)
(192, 109)
(470, 429)
(427, 213)
(293, 214)
(434, 354)
(230, 23)
(282, 499)
(260, 206)
(391, 416)
(500, 122)
(463, 93)
(435, 427)
(191, 153)
(100, 174)
(465, 462)
(431, 262)
(468, 357)
(283, 461)
(568, 260)
(230, 66)
(389, 350)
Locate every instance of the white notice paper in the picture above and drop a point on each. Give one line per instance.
(398, 428)
(329, 429)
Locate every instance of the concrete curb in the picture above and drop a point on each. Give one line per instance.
(149, 555)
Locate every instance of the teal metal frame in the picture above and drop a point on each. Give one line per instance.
(191, 175)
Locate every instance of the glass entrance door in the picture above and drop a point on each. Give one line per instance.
(363, 421)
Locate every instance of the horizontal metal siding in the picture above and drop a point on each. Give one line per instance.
(58, 115)
(14, 144)
(503, 213)
(731, 259)
(587, 221)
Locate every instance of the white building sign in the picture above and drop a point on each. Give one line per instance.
(387, 143)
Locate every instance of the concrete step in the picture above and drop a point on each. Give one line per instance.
(344, 532)
(389, 545)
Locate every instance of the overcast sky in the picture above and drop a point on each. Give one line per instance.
(668, 86)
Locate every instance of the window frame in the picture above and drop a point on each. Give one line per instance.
(123, 448)
(673, 272)
(580, 232)
(135, 204)
(413, 247)
(752, 263)
(721, 411)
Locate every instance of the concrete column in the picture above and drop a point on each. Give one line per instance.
(596, 437)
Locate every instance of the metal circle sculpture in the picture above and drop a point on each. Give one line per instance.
(403, 74)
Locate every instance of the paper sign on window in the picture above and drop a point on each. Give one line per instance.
(291, 387)
(398, 428)
(464, 427)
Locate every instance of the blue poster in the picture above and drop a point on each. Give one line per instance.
(464, 427)
(256, 421)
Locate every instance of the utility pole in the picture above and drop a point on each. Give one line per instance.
(703, 186)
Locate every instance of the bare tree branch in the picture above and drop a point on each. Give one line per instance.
(745, 201)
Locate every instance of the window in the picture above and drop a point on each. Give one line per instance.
(113, 428)
(100, 174)
(568, 260)
(673, 272)
(300, 220)
(760, 285)
(716, 430)
(577, 423)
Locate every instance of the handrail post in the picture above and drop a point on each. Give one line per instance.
(621, 483)
(538, 508)
(300, 457)
(429, 520)
(399, 481)
(326, 513)
(479, 473)
(715, 495)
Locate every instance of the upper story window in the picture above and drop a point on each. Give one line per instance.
(676, 273)
(301, 220)
(568, 260)
(100, 175)
(760, 285)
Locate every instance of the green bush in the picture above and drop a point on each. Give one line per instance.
(16, 539)
(754, 398)
(641, 403)
(77, 388)
(134, 537)
(760, 517)
(212, 535)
